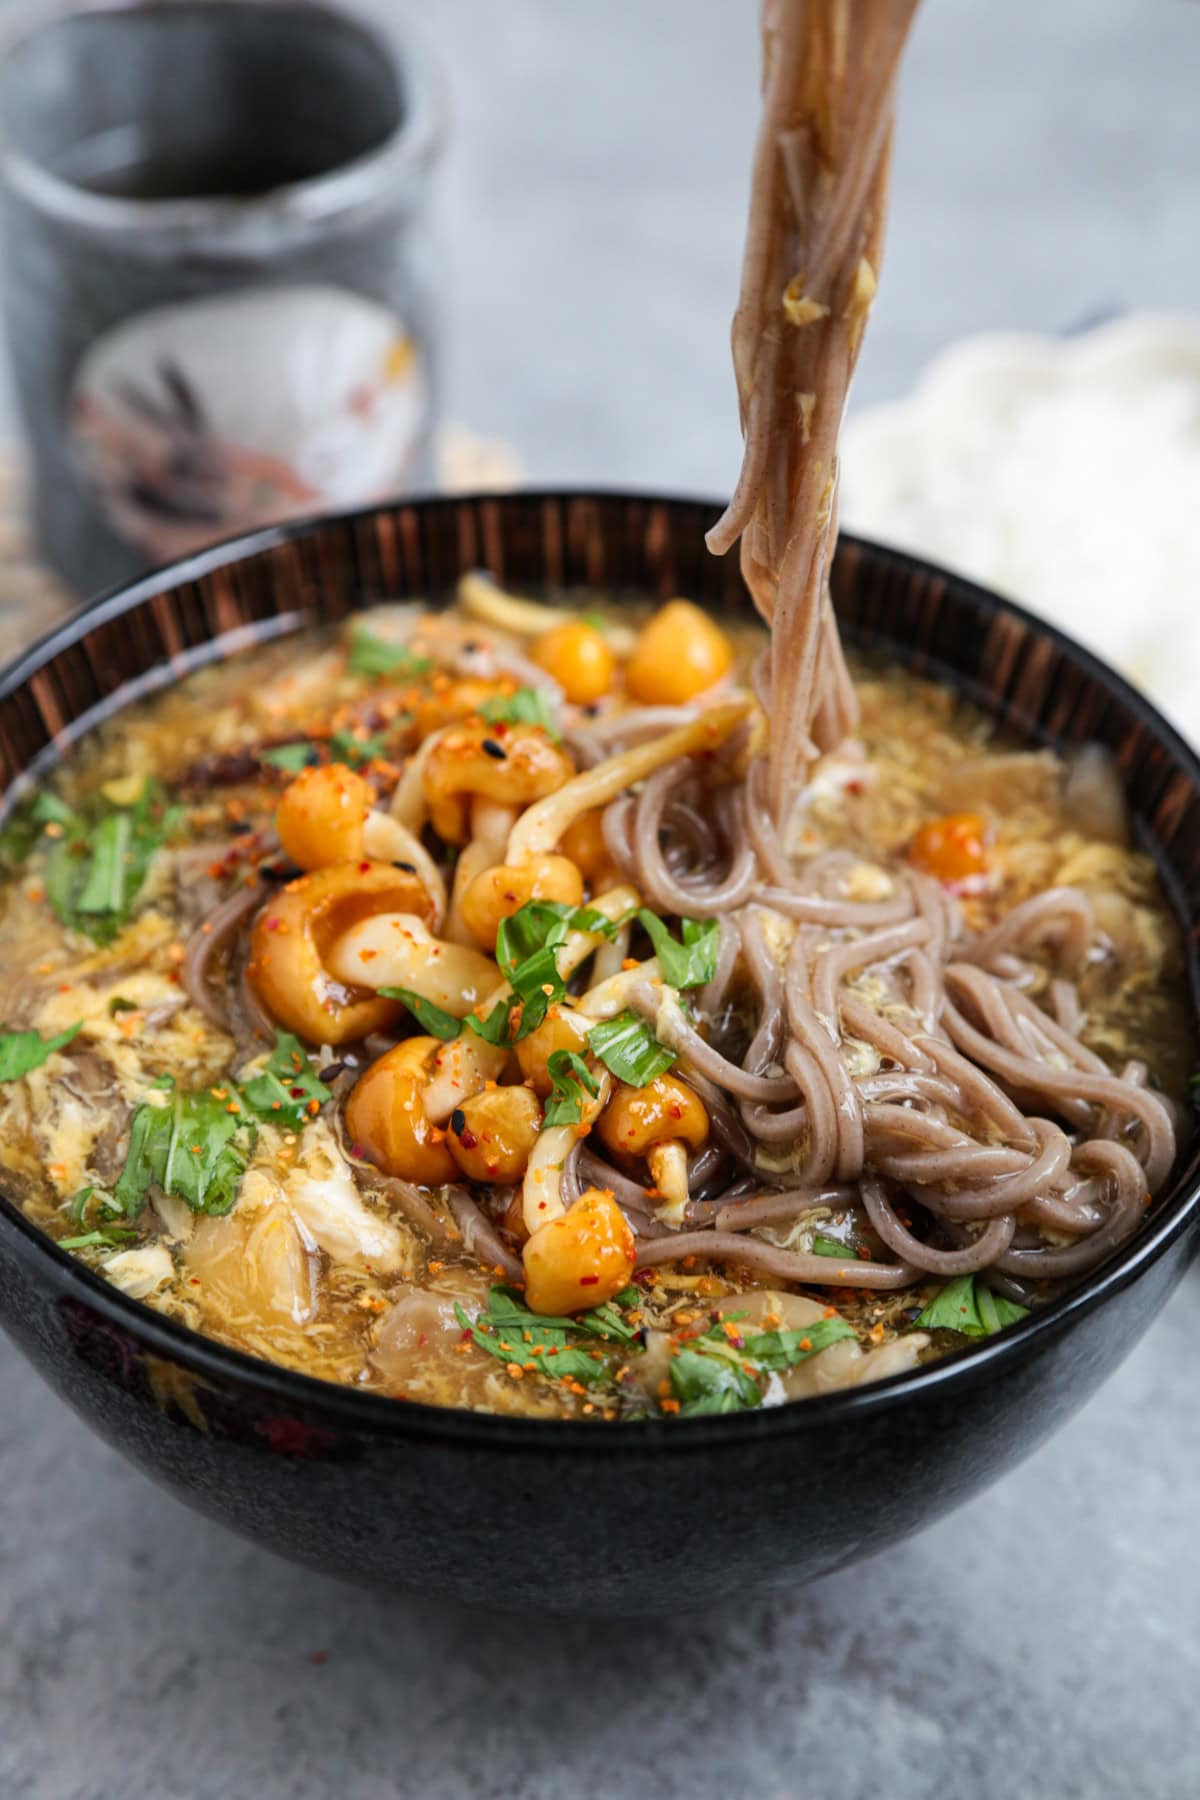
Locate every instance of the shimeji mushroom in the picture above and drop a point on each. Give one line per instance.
(658, 1124)
(327, 815)
(397, 950)
(474, 782)
(482, 598)
(580, 1259)
(294, 933)
(463, 1066)
(532, 868)
(388, 1122)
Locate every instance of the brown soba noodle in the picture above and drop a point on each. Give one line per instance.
(591, 1012)
(818, 207)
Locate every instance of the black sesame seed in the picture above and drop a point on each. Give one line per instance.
(494, 749)
(458, 1121)
(409, 868)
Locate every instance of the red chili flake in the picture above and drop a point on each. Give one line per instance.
(588, 1280)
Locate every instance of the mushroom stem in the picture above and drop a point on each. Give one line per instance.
(387, 839)
(491, 823)
(669, 1170)
(397, 950)
(541, 825)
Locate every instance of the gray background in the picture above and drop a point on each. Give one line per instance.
(1044, 1640)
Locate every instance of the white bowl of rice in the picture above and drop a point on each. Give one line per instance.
(1062, 472)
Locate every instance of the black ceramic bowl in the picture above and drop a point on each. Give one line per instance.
(577, 1517)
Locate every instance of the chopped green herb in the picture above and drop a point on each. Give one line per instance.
(78, 1204)
(345, 747)
(370, 655)
(778, 1350)
(528, 706)
(692, 963)
(570, 1079)
(437, 1023)
(968, 1305)
(628, 1047)
(291, 758)
(494, 1029)
(96, 867)
(22, 1051)
(596, 620)
(512, 1334)
(25, 824)
(704, 1382)
(193, 1147)
(162, 1082)
(286, 1091)
(527, 944)
(119, 1004)
(526, 950)
(544, 925)
(827, 1246)
(714, 1374)
(109, 1237)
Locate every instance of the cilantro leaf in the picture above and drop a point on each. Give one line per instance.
(527, 943)
(785, 1349)
(828, 1246)
(528, 706)
(704, 1383)
(371, 655)
(108, 1237)
(26, 822)
(537, 926)
(969, 1306)
(345, 747)
(284, 1089)
(22, 1051)
(291, 758)
(693, 962)
(627, 1046)
(713, 1374)
(512, 1334)
(193, 1147)
(570, 1078)
(544, 924)
(995, 1311)
(96, 865)
(494, 1029)
(78, 1204)
(431, 1018)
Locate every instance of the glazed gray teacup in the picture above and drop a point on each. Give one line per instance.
(216, 268)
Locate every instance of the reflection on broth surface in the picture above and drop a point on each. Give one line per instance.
(434, 1009)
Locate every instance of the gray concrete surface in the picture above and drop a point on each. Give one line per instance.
(1046, 1640)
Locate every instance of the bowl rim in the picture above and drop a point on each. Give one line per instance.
(383, 1418)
